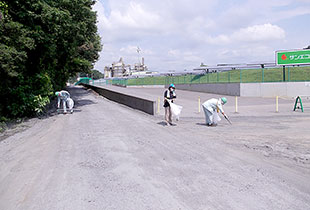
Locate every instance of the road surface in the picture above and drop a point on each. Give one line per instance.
(108, 156)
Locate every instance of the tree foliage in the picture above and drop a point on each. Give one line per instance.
(42, 44)
(96, 74)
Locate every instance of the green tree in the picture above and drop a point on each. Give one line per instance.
(3, 9)
(96, 74)
(42, 44)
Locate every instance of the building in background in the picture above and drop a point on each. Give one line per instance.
(120, 69)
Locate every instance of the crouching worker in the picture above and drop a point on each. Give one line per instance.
(211, 108)
(169, 95)
(64, 96)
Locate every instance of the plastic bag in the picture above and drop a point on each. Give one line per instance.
(70, 103)
(176, 110)
(216, 117)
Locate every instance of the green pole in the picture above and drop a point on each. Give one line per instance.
(263, 76)
(288, 74)
(240, 75)
(229, 76)
(217, 77)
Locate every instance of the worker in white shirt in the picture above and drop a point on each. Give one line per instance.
(64, 96)
(211, 108)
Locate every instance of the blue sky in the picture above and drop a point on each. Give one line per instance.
(181, 34)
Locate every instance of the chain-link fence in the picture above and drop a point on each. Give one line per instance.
(289, 74)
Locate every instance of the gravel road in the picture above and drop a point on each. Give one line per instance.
(108, 156)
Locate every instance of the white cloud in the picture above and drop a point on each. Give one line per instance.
(129, 49)
(134, 17)
(126, 23)
(246, 54)
(291, 13)
(179, 34)
(174, 53)
(256, 33)
(219, 40)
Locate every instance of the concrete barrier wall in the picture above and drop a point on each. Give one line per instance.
(232, 89)
(146, 86)
(284, 89)
(128, 100)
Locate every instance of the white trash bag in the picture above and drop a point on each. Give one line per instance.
(176, 110)
(70, 103)
(216, 117)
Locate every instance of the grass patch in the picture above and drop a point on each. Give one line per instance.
(292, 74)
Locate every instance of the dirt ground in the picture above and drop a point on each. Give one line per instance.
(108, 156)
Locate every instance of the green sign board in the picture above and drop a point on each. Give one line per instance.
(293, 57)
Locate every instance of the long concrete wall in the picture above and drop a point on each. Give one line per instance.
(128, 100)
(232, 89)
(146, 86)
(284, 89)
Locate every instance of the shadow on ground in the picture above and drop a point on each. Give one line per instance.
(83, 102)
(163, 123)
(201, 124)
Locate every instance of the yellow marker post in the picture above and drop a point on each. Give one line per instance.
(236, 104)
(198, 104)
(277, 103)
(158, 105)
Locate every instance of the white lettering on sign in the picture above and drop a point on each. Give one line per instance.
(299, 57)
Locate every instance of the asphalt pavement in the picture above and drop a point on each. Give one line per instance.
(109, 156)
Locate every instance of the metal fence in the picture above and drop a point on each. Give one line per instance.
(289, 74)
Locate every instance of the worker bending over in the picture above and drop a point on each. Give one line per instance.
(211, 108)
(64, 96)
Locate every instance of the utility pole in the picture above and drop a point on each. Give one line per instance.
(138, 51)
